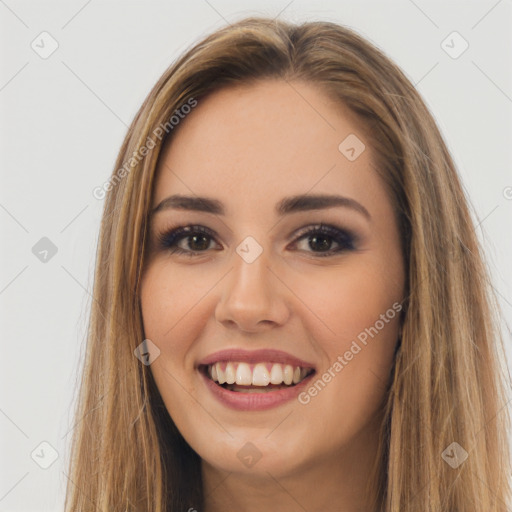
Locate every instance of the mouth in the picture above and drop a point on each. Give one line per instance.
(254, 380)
(262, 377)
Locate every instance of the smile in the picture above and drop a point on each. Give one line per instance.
(262, 377)
(254, 380)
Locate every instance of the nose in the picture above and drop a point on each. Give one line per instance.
(253, 297)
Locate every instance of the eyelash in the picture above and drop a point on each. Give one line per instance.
(168, 240)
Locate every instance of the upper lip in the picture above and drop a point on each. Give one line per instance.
(255, 356)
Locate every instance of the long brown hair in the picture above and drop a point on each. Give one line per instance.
(447, 384)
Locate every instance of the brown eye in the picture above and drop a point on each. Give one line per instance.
(198, 239)
(321, 237)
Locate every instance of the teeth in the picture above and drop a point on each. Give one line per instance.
(260, 375)
(230, 373)
(276, 374)
(288, 374)
(242, 374)
(221, 376)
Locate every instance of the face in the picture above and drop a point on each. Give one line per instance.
(276, 320)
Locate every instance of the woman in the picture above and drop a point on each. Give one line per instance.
(287, 250)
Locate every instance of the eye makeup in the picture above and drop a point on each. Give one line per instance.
(322, 236)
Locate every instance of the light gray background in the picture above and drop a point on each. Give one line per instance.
(63, 119)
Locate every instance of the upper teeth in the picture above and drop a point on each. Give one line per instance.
(261, 374)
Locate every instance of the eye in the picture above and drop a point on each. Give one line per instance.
(318, 237)
(198, 239)
(198, 236)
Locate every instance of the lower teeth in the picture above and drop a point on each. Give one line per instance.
(255, 389)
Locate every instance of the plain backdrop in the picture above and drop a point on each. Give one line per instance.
(63, 117)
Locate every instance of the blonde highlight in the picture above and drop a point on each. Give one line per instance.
(447, 384)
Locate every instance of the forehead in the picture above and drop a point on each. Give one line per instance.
(251, 144)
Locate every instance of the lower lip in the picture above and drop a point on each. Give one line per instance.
(254, 401)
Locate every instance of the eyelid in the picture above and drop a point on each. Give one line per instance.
(181, 231)
(323, 227)
(345, 238)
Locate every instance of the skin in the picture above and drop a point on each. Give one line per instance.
(249, 146)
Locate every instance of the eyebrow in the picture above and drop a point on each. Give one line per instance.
(288, 205)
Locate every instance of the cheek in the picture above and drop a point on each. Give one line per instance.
(171, 306)
(346, 300)
(363, 308)
(359, 308)
(171, 311)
